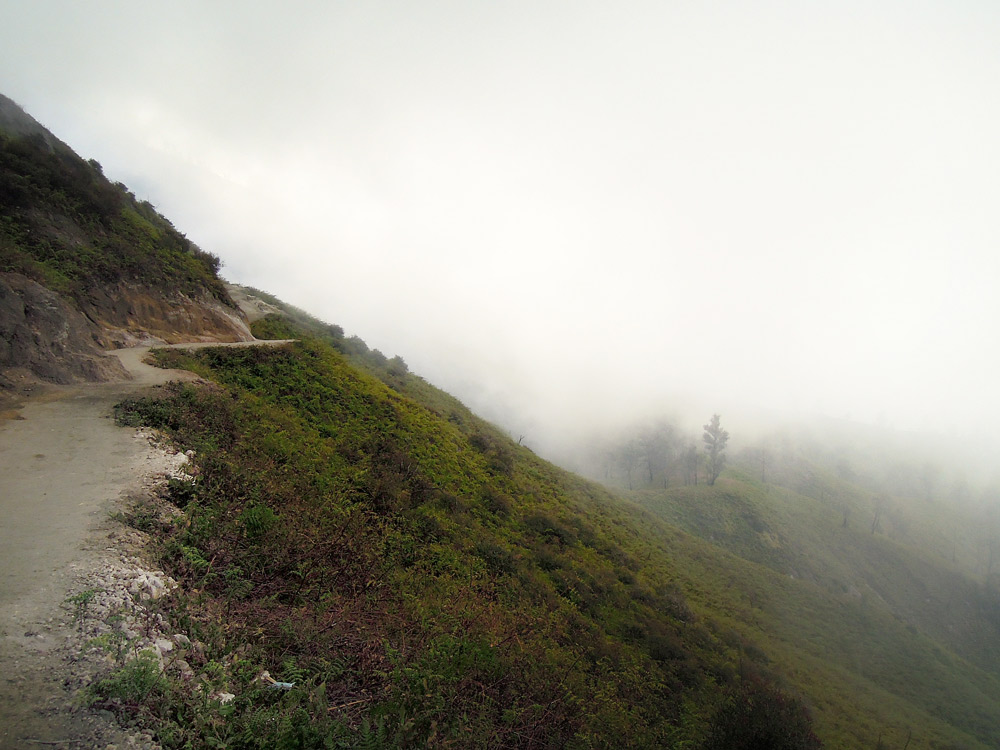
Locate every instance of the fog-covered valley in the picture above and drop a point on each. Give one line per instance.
(575, 218)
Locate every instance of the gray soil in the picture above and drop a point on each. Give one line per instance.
(65, 468)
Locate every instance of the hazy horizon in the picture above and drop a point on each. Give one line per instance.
(572, 215)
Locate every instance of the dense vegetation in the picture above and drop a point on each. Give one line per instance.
(65, 225)
(422, 579)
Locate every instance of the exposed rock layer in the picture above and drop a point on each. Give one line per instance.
(43, 337)
(131, 314)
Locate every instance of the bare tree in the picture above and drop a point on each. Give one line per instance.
(650, 446)
(658, 444)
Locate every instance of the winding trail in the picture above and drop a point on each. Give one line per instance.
(63, 464)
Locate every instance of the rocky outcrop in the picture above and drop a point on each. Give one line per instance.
(128, 315)
(42, 337)
(252, 306)
(88, 268)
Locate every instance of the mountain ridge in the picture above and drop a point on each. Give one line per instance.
(15, 121)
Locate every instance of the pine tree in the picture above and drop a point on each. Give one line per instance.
(715, 448)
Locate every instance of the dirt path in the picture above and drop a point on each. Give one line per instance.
(63, 466)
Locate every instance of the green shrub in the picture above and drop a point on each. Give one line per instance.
(758, 716)
(180, 492)
(498, 560)
(139, 681)
(257, 519)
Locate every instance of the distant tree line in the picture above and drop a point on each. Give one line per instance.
(661, 455)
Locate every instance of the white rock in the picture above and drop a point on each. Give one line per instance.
(184, 669)
(150, 586)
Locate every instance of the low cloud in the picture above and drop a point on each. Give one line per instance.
(568, 216)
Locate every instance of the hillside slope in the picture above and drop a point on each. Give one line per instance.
(417, 572)
(424, 580)
(826, 594)
(85, 267)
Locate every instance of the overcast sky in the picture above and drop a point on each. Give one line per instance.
(561, 211)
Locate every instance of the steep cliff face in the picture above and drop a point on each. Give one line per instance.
(43, 338)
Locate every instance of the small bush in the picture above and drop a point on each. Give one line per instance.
(180, 492)
(550, 529)
(135, 683)
(499, 456)
(496, 503)
(758, 716)
(257, 519)
(81, 602)
(497, 559)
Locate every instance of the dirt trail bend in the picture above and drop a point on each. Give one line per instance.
(146, 375)
(63, 465)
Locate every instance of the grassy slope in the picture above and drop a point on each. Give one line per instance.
(423, 579)
(883, 630)
(430, 581)
(900, 629)
(422, 570)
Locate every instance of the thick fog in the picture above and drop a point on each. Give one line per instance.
(572, 213)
